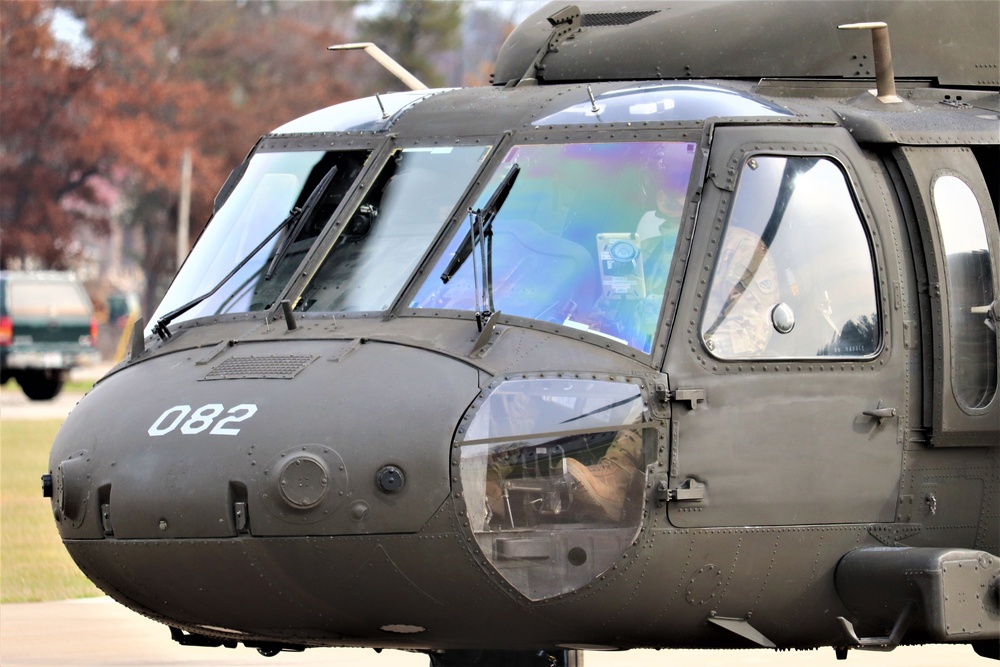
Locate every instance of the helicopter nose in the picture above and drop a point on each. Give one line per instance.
(309, 438)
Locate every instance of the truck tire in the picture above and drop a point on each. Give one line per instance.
(41, 385)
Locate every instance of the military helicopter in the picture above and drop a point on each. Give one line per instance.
(682, 334)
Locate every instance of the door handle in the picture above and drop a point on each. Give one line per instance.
(880, 413)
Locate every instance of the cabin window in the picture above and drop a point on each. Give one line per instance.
(584, 239)
(794, 274)
(553, 474)
(969, 279)
(389, 233)
(254, 236)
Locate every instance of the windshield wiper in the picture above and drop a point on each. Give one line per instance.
(295, 221)
(303, 216)
(160, 328)
(481, 232)
(483, 220)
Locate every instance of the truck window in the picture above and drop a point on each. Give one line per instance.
(969, 280)
(794, 274)
(48, 298)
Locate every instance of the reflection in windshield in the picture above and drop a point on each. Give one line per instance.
(389, 233)
(274, 184)
(585, 238)
(662, 102)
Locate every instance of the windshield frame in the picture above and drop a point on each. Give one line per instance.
(271, 144)
(687, 132)
(368, 180)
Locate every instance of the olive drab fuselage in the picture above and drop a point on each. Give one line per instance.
(603, 356)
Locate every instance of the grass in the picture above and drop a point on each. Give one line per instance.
(34, 566)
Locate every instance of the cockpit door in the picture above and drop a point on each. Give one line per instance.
(793, 340)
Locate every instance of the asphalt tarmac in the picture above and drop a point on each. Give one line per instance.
(97, 632)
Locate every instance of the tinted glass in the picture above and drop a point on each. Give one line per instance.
(585, 239)
(662, 102)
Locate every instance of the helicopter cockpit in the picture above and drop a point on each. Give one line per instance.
(584, 241)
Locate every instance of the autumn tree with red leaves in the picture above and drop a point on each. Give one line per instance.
(116, 112)
(92, 130)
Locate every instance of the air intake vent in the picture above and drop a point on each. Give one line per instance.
(610, 19)
(270, 368)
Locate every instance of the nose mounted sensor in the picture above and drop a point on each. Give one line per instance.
(390, 479)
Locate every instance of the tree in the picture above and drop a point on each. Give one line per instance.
(42, 162)
(151, 80)
(416, 33)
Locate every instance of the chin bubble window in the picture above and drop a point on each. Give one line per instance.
(553, 476)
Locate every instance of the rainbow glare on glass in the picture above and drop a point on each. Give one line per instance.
(545, 248)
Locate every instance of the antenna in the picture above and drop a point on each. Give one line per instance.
(885, 82)
(385, 60)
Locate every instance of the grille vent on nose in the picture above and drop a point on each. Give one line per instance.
(609, 19)
(270, 367)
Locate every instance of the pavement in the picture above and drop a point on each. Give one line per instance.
(15, 405)
(98, 632)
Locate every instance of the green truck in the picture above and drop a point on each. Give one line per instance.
(47, 328)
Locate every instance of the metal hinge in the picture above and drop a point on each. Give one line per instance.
(689, 489)
(690, 396)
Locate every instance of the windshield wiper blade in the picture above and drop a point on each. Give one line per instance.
(295, 221)
(485, 216)
(302, 216)
(160, 328)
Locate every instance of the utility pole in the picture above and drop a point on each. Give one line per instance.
(184, 209)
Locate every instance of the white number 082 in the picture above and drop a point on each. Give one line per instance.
(202, 419)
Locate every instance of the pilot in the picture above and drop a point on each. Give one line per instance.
(599, 491)
(604, 486)
(667, 182)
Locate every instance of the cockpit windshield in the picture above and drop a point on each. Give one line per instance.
(387, 236)
(261, 233)
(584, 239)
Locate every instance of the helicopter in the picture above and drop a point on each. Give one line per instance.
(682, 334)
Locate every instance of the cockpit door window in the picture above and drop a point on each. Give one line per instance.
(794, 276)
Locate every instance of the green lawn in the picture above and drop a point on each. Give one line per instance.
(34, 566)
